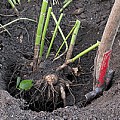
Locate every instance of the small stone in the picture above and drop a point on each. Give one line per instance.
(83, 16)
(78, 11)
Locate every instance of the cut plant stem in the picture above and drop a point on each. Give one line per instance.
(44, 32)
(63, 44)
(39, 33)
(84, 52)
(78, 56)
(14, 1)
(54, 35)
(65, 1)
(18, 1)
(73, 39)
(13, 6)
(65, 5)
(60, 32)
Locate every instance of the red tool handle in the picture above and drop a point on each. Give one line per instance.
(103, 69)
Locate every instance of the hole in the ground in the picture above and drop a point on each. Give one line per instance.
(36, 100)
(39, 98)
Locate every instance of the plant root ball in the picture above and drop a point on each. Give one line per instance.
(51, 79)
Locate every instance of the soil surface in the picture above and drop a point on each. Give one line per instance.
(16, 51)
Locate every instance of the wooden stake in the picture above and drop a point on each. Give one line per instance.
(107, 39)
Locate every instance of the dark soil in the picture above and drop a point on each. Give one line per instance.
(16, 54)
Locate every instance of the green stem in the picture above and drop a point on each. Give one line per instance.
(14, 1)
(78, 56)
(18, 1)
(44, 31)
(54, 35)
(41, 22)
(73, 39)
(84, 52)
(64, 42)
(60, 31)
(11, 3)
(39, 34)
(65, 5)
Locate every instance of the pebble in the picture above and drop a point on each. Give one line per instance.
(78, 11)
(83, 16)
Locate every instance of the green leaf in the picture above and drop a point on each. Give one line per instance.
(26, 84)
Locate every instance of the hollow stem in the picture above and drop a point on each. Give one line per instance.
(73, 39)
(78, 56)
(44, 32)
(84, 52)
(39, 33)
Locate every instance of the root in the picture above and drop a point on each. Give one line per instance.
(68, 86)
(63, 95)
(49, 90)
(44, 88)
(51, 79)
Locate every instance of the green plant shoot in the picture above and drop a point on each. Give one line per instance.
(84, 52)
(39, 33)
(60, 32)
(65, 5)
(14, 1)
(41, 22)
(44, 31)
(65, 1)
(73, 39)
(54, 35)
(64, 43)
(78, 56)
(18, 1)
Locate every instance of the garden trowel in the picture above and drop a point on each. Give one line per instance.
(102, 74)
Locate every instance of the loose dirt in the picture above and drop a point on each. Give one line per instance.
(16, 50)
